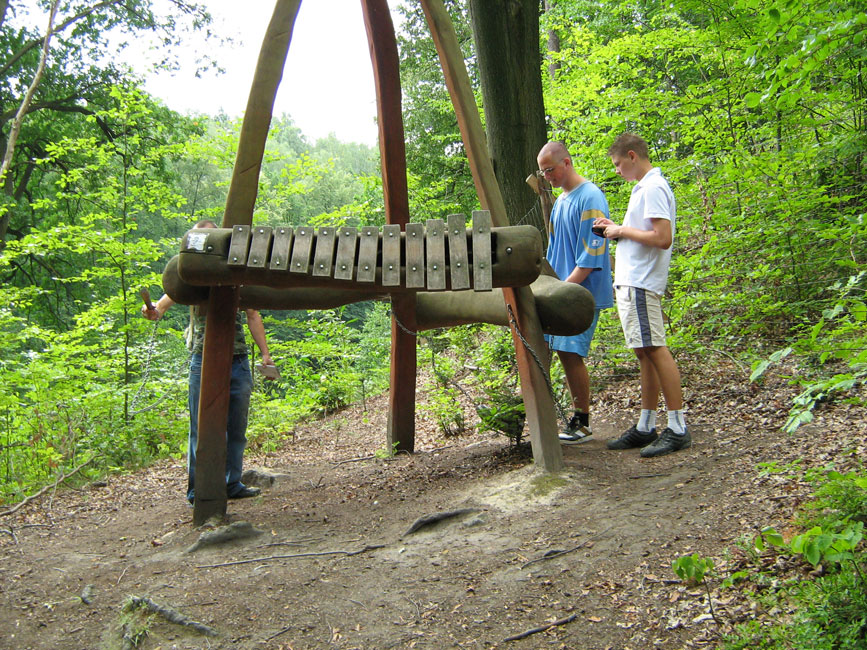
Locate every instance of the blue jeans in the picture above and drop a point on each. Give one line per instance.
(240, 388)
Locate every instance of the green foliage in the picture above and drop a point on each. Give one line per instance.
(692, 569)
(442, 397)
(817, 544)
(836, 495)
(755, 115)
(438, 175)
(830, 610)
(826, 614)
(505, 415)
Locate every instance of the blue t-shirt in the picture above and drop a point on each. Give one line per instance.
(572, 242)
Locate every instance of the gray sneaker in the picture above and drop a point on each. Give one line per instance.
(668, 442)
(633, 438)
(574, 433)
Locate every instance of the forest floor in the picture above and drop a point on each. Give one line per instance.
(587, 555)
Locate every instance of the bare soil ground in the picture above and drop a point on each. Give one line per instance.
(582, 561)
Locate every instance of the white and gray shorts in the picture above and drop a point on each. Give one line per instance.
(641, 318)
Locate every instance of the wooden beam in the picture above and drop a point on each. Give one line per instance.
(257, 118)
(392, 150)
(538, 400)
(210, 470)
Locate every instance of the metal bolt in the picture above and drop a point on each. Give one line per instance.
(459, 265)
(301, 232)
(434, 267)
(343, 267)
(509, 250)
(234, 259)
(366, 267)
(255, 261)
(391, 267)
(210, 248)
(414, 268)
(321, 266)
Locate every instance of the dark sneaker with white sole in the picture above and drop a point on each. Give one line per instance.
(633, 438)
(668, 442)
(574, 433)
(246, 492)
(576, 436)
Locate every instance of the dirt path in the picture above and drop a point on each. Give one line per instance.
(590, 551)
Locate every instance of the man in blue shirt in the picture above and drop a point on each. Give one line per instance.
(576, 255)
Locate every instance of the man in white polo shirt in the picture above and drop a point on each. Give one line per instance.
(642, 260)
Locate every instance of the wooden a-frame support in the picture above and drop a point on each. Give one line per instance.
(211, 495)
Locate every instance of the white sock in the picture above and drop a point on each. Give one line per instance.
(676, 422)
(646, 421)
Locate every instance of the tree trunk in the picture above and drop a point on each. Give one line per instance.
(553, 44)
(506, 34)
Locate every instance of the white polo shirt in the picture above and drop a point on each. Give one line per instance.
(638, 265)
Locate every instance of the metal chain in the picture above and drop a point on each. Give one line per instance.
(146, 374)
(538, 361)
(152, 344)
(402, 326)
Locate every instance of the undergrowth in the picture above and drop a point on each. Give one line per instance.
(823, 604)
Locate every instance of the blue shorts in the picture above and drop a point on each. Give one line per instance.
(578, 343)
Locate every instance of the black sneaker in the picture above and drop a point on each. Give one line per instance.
(574, 433)
(633, 438)
(246, 492)
(668, 442)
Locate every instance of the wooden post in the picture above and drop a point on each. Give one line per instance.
(538, 401)
(392, 150)
(210, 483)
(257, 117)
(210, 477)
(546, 200)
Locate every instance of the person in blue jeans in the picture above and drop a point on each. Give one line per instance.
(240, 389)
(577, 255)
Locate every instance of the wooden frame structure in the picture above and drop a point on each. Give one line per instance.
(223, 300)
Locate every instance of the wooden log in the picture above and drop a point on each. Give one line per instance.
(516, 254)
(210, 471)
(564, 308)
